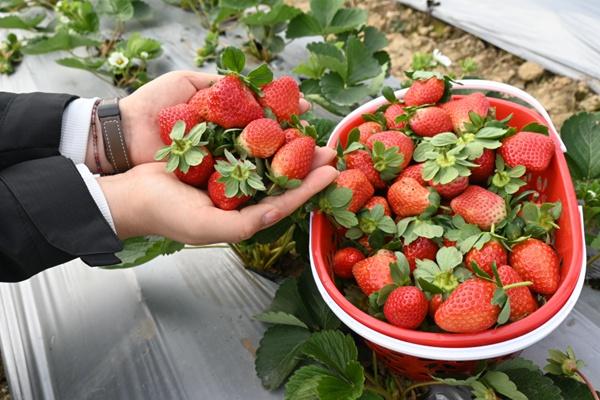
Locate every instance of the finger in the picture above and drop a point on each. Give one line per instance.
(200, 80)
(323, 156)
(304, 105)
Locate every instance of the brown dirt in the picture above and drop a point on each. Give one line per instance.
(4, 394)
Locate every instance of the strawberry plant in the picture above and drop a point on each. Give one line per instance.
(10, 54)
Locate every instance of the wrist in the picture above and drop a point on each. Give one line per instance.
(96, 150)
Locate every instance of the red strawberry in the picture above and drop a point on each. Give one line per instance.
(413, 171)
(435, 303)
(167, 117)
(448, 243)
(391, 113)
(491, 252)
(408, 198)
(479, 206)
(291, 134)
(261, 138)
(420, 249)
(428, 91)
(231, 104)
(379, 200)
(430, 121)
(394, 138)
(199, 102)
(344, 259)
(522, 302)
(451, 189)
(532, 150)
(459, 109)
(364, 242)
(406, 307)
(282, 96)
(537, 262)
(198, 175)
(216, 192)
(294, 159)
(373, 273)
(361, 159)
(469, 308)
(366, 129)
(362, 190)
(487, 164)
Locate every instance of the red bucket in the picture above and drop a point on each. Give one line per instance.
(421, 354)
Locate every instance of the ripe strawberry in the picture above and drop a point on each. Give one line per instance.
(532, 150)
(231, 104)
(486, 167)
(197, 175)
(364, 242)
(199, 102)
(391, 113)
(282, 96)
(216, 192)
(167, 117)
(420, 249)
(394, 138)
(406, 307)
(430, 121)
(361, 159)
(459, 109)
(373, 273)
(451, 189)
(435, 303)
(379, 200)
(362, 190)
(408, 198)
(479, 206)
(469, 308)
(261, 138)
(537, 262)
(491, 252)
(413, 171)
(344, 259)
(291, 134)
(428, 91)
(522, 302)
(448, 243)
(366, 129)
(294, 159)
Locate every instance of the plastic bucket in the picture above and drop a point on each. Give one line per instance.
(419, 354)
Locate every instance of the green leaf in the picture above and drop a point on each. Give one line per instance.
(141, 10)
(141, 249)
(279, 13)
(340, 197)
(137, 44)
(347, 19)
(503, 385)
(261, 75)
(350, 387)
(280, 318)
(17, 22)
(278, 353)
(571, 389)
(444, 139)
(120, 9)
(272, 233)
(62, 40)
(516, 363)
(333, 88)
(361, 64)
(581, 135)
(81, 63)
(233, 59)
(332, 349)
(374, 39)
(345, 218)
(288, 300)
(535, 127)
(303, 25)
(324, 10)
(533, 384)
(330, 57)
(238, 4)
(303, 384)
(316, 306)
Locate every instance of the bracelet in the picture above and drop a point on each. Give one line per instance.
(115, 149)
(95, 138)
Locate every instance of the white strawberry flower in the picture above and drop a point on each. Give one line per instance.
(118, 60)
(442, 59)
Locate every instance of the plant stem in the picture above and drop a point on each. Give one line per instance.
(379, 390)
(416, 386)
(589, 384)
(517, 284)
(593, 259)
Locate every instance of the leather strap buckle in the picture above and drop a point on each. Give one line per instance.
(114, 141)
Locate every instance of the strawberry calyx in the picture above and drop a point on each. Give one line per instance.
(468, 236)
(239, 176)
(334, 202)
(400, 272)
(566, 364)
(185, 151)
(444, 274)
(506, 181)
(487, 137)
(540, 219)
(411, 228)
(306, 130)
(233, 61)
(389, 95)
(387, 161)
(377, 117)
(444, 160)
(370, 221)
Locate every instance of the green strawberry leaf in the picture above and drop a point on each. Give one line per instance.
(332, 349)
(18, 22)
(319, 311)
(516, 363)
(280, 318)
(503, 385)
(141, 249)
(260, 76)
(429, 287)
(581, 135)
(535, 127)
(533, 384)
(350, 386)
(233, 59)
(303, 384)
(571, 389)
(400, 270)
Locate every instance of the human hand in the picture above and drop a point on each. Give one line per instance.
(147, 200)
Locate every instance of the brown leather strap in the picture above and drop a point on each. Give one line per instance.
(114, 142)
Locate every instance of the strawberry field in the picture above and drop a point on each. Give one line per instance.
(452, 227)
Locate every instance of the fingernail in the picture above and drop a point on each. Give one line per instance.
(270, 217)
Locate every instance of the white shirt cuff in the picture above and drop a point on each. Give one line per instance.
(75, 129)
(96, 192)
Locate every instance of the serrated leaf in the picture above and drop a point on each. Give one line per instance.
(448, 258)
(120, 9)
(340, 197)
(516, 363)
(581, 135)
(233, 59)
(332, 349)
(533, 384)
(141, 249)
(345, 218)
(280, 318)
(374, 39)
(350, 387)
(17, 22)
(428, 230)
(571, 389)
(303, 25)
(86, 64)
(333, 88)
(303, 383)
(503, 385)
(330, 57)
(62, 40)
(319, 311)
(361, 64)
(535, 127)
(287, 299)
(261, 75)
(443, 139)
(279, 13)
(346, 19)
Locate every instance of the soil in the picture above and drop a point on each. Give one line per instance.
(4, 394)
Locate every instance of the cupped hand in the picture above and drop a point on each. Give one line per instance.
(149, 201)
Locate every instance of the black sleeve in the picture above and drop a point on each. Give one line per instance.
(30, 126)
(49, 217)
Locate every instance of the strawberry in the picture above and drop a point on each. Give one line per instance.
(293, 161)
(366, 129)
(361, 159)
(291, 134)
(490, 253)
(364, 242)
(167, 117)
(393, 112)
(413, 171)
(448, 243)
(408, 198)
(231, 104)
(486, 167)
(394, 139)
(428, 91)
(469, 308)
(420, 249)
(282, 96)
(479, 206)
(530, 149)
(459, 109)
(379, 200)
(373, 273)
(537, 262)
(344, 259)
(522, 302)
(451, 189)
(197, 175)
(261, 138)
(435, 303)
(362, 190)
(406, 307)
(430, 121)
(199, 103)
(216, 192)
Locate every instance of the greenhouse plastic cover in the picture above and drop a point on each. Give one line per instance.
(561, 35)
